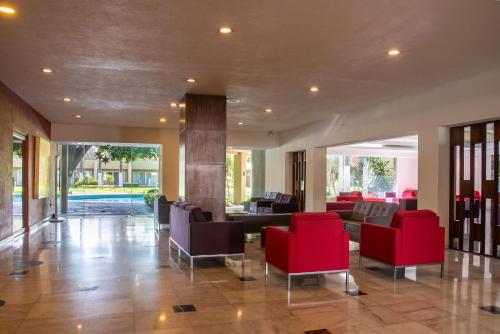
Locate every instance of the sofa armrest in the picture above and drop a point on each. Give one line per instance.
(378, 220)
(284, 207)
(381, 243)
(208, 238)
(344, 214)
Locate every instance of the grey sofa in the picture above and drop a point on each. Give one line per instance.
(379, 213)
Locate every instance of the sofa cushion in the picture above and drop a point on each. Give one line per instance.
(198, 214)
(398, 217)
(354, 229)
(380, 209)
(361, 210)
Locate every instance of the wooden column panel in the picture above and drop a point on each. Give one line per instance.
(203, 153)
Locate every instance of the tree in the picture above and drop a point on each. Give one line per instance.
(332, 174)
(126, 154)
(381, 174)
(357, 165)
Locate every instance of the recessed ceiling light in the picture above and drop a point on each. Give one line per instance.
(47, 70)
(67, 99)
(225, 30)
(78, 116)
(314, 89)
(182, 105)
(393, 52)
(240, 123)
(7, 10)
(269, 110)
(232, 100)
(191, 80)
(163, 120)
(173, 105)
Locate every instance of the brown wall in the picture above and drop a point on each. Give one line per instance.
(17, 114)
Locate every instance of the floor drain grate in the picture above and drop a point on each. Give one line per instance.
(184, 308)
(90, 288)
(2, 302)
(492, 309)
(19, 273)
(318, 331)
(354, 293)
(247, 278)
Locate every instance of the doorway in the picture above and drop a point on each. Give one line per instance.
(109, 179)
(474, 188)
(18, 181)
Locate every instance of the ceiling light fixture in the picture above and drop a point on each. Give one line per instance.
(225, 30)
(393, 52)
(78, 116)
(268, 110)
(314, 89)
(7, 10)
(182, 105)
(67, 99)
(240, 123)
(47, 70)
(191, 80)
(163, 120)
(173, 105)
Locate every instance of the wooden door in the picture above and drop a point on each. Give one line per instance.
(299, 178)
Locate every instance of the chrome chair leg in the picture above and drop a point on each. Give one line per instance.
(243, 265)
(442, 269)
(347, 281)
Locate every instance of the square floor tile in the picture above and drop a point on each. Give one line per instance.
(355, 293)
(184, 308)
(492, 309)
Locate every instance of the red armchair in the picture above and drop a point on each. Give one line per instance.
(316, 243)
(351, 196)
(414, 238)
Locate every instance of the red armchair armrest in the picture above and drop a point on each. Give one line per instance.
(381, 243)
(280, 244)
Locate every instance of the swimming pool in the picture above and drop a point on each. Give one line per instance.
(114, 198)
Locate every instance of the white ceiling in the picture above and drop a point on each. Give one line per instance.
(392, 147)
(124, 61)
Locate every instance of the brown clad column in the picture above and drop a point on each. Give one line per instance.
(202, 155)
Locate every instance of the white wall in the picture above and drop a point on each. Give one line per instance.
(406, 174)
(427, 114)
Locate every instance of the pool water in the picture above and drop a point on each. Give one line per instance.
(113, 198)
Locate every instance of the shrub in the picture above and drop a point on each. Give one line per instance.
(131, 185)
(149, 196)
(86, 181)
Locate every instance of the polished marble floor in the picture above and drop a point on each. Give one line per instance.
(110, 275)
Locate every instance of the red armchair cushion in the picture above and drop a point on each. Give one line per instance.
(400, 215)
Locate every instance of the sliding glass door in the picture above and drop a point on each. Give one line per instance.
(112, 179)
(18, 170)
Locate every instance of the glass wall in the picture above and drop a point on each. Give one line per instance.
(238, 177)
(17, 182)
(373, 176)
(109, 178)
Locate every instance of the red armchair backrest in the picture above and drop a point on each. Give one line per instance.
(410, 193)
(311, 216)
(321, 245)
(422, 239)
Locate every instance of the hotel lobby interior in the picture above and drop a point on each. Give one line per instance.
(189, 166)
